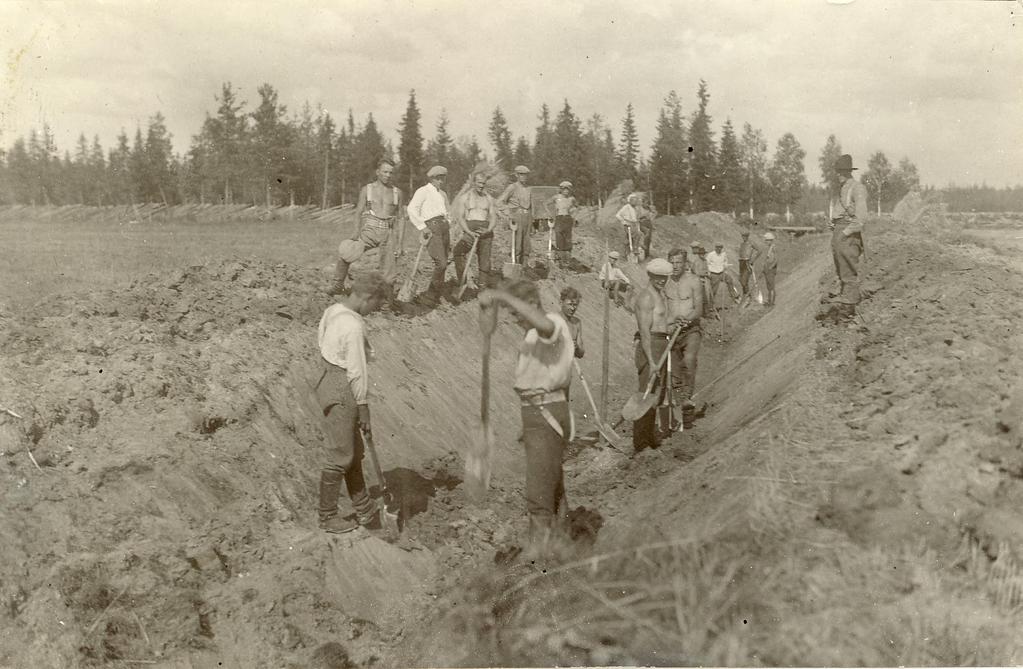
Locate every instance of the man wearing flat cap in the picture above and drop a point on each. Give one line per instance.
(628, 216)
(849, 211)
(563, 206)
(515, 203)
(653, 324)
(429, 212)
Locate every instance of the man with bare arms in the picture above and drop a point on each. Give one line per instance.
(376, 214)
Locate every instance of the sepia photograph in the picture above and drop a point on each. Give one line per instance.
(433, 333)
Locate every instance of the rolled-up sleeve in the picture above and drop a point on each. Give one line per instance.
(355, 364)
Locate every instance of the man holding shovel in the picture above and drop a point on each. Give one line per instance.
(477, 218)
(652, 338)
(342, 392)
(685, 304)
(849, 211)
(629, 218)
(516, 203)
(428, 211)
(542, 377)
(748, 253)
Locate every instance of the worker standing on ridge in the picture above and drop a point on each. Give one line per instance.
(685, 304)
(645, 219)
(629, 218)
(516, 203)
(428, 211)
(653, 333)
(769, 269)
(564, 206)
(477, 218)
(614, 280)
(717, 263)
(849, 210)
(748, 253)
(698, 266)
(377, 214)
(542, 377)
(342, 392)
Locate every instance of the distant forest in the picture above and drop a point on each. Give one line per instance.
(263, 155)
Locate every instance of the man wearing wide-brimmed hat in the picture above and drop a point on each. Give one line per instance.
(429, 212)
(564, 206)
(515, 202)
(849, 211)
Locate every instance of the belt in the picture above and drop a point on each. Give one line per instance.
(716, 273)
(386, 225)
(537, 401)
(436, 219)
(655, 335)
(532, 398)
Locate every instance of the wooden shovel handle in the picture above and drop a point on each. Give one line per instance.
(660, 363)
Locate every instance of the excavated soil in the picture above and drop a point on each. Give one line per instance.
(160, 481)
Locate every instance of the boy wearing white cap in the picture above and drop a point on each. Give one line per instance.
(613, 279)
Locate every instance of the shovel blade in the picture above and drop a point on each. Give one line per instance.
(478, 462)
(638, 406)
(760, 297)
(511, 270)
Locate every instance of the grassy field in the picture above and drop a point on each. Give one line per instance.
(41, 258)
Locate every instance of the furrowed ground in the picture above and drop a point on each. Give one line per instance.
(850, 497)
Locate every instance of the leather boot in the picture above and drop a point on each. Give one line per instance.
(340, 277)
(330, 489)
(366, 511)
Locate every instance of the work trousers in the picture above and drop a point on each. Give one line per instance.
(438, 247)
(372, 236)
(644, 433)
(846, 252)
(344, 456)
(545, 448)
(483, 249)
(715, 283)
(683, 362)
(520, 236)
(563, 226)
(744, 275)
(646, 234)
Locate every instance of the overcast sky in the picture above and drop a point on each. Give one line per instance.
(939, 81)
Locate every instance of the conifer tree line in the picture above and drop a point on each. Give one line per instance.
(261, 153)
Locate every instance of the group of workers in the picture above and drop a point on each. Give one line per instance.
(668, 313)
(380, 224)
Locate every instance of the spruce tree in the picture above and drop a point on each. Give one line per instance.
(730, 172)
(500, 137)
(410, 147)
(703, 173)
(628, 145)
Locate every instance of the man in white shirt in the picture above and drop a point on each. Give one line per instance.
(428, 211)
(629, 219)
(613, 279)
(717, 263)
(342, 392)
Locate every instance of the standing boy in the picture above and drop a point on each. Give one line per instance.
(342, 391)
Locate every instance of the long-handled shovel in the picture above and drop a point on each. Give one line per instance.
(605, 430)
(673, 425)
(406, 294)
(633, 258)
(481, 448)
(465, 272)
(512, 270)
(640, 403)
(388, 515)
(550, 245)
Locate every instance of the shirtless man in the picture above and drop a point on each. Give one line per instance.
(564, 206)
(376, 215)
(477, 216)
(685, 304)
(654, 331)
(569, 305)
